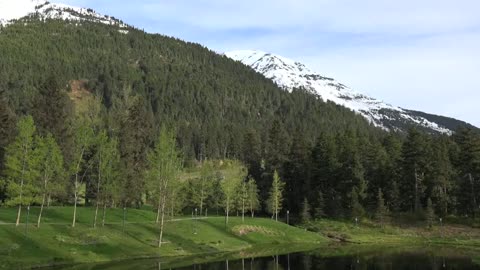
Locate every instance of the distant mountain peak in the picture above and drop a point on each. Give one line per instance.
(289, 74)
(12, 10)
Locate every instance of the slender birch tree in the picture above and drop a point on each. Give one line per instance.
(20, 169)
(275, 199)
(51, 170)
(164, 164)
(253, 200)
(82, 141)
(232, 178)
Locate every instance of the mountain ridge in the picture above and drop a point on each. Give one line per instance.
(289, 74)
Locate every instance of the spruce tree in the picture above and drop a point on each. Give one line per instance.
(319, 211)
(305, 214)
(429, 213)
(357, 210)
(381, 213)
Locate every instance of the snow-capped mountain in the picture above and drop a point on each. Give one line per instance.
(289, 74)
(11, 10)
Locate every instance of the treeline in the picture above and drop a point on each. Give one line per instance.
(96, 92)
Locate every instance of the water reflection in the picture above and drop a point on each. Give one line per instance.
(302, 261)
(328, 258)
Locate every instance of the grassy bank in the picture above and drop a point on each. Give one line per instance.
(55, 242)
(366, 232)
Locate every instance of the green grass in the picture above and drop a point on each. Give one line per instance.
(56, 242)
(368, 232)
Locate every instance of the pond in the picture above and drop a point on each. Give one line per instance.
(356, 257)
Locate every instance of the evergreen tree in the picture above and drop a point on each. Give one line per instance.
(53, 113)
(381, 214)
(357, 210)
(429, 213)
(305, 214)
(415, 156)
(7, 132)
(135, 139)
(320, 206)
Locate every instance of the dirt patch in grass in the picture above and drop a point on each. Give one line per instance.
(246, 229)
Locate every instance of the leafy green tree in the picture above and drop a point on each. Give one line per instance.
(84, 137)
(51, 171)
(107, 179)
(232, 178)
(164, 164)
(20, 167)
(203, 186)
(253, 196)
(275, 200)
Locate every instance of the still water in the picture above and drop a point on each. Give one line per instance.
(405, 259)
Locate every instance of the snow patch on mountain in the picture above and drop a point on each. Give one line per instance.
(11, 10)
(289, 74)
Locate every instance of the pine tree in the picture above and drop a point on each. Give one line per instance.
(357, 210)
(53, 113)
(305, 214)
(429, 213)
(275, 201)
(320, 206)
(416, 162)
(7, 132)
(381, 213)
(135, 138)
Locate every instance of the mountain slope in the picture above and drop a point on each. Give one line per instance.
(11, 11)
(289, 75)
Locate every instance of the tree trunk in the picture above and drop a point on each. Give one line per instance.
(76, 190)
(18, 215)
(416, 202)
(158, 211)
(162, 222)
(96, 215)
(226, 211)
(243, 210)
(41, 211)
(25, 152)
(104, 213)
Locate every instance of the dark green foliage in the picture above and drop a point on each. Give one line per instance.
(305, 215)
(381, 213)
(429, 213)
(221, 109)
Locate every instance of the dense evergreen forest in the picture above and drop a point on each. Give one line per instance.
(94, 93)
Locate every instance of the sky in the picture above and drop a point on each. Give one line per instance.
(422, 55)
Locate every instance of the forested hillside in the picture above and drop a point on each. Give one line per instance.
(86, 81)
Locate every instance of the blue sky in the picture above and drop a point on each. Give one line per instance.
(422, 55)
